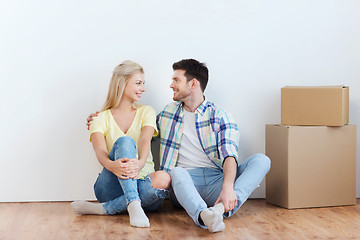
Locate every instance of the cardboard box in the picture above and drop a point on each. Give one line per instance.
(311, 166)
(327, 106)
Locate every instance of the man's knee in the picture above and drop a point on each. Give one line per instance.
(177, 172)
(262, 160)
(160, 180)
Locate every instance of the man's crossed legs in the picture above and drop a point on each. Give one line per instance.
(196, 189)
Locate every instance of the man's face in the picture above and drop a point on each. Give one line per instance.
(180, 86)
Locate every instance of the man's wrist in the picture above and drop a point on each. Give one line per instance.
(228, 185)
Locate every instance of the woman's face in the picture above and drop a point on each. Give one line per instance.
(134, 87)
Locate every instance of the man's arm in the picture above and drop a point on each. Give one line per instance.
(227, 195)
(228, 139)
(90, 118)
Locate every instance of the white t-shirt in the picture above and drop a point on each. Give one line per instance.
(191, 153)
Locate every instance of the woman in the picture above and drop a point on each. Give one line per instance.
(121, 136)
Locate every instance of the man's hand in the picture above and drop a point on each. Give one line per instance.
(228, 198)
(228, 195)
(90, 118)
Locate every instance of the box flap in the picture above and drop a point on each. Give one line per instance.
(332, 86)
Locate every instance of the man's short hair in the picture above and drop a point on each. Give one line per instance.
(193, 69)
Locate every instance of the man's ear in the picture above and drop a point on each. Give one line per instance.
(194, 83)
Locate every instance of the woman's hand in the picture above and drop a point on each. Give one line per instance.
(134, 168)
(125, 168)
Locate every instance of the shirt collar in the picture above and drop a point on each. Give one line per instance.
(203, 106)
(201, 109)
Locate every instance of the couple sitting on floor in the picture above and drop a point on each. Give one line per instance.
(198, 151)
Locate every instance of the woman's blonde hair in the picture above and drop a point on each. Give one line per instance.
(120, 77)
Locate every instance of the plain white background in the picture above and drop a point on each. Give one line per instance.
(57, 57)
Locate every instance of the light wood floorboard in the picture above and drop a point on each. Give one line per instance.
(255, 220)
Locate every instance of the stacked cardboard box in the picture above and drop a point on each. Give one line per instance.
(315, 106)
(313, 150)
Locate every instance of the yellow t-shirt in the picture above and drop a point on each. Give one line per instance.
(105, 124)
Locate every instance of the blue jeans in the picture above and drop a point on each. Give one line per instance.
(196, 189)
(117, 193)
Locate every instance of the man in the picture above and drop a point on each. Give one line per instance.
(199, 147)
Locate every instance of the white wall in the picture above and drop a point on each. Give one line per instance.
(57, 56)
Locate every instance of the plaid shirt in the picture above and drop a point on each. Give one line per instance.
(217, 132)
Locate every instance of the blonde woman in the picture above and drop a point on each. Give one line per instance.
(121, 136)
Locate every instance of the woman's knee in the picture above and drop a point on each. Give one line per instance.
(160, 180)
(123, 147)
(124, 142)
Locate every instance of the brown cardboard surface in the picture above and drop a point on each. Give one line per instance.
(276, 139)
(322, 105)
(312, 166)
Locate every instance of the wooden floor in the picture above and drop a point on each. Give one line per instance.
(255, 220)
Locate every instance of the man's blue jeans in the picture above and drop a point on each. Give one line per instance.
(196, 189)
(117, 193)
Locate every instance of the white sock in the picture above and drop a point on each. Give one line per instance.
(84, 207)
(213, 220)
(219, 208)
(137, 215)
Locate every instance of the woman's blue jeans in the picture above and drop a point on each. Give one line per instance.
(117, 193)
